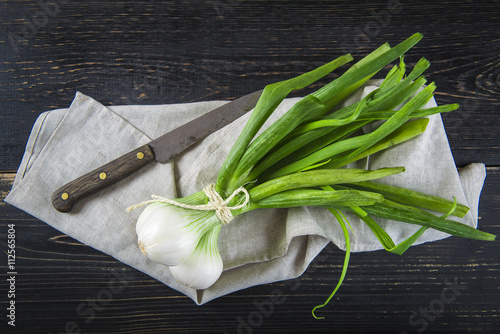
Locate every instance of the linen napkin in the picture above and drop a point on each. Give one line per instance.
(259, 247)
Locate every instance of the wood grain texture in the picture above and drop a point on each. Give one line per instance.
(104, 176)
(154, 51)
(63, 283)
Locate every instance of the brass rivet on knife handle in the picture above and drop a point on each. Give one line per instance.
(65, 197)
(162, 149)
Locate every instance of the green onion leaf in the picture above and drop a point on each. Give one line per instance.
(271, 97)
(412, 198)
(317, 178)
(395, 211)
(340, 218)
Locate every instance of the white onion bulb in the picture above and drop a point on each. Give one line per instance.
(168, 234)
(202, 269)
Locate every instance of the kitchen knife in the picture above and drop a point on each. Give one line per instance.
(161, 149)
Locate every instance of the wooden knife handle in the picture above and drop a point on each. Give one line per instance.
(65, 197)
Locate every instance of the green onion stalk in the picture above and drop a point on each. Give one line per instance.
(301, 160)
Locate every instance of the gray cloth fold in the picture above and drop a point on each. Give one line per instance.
(259, 247)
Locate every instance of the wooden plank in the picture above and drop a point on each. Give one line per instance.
(62, 284)
(155, 52)
(170, 51)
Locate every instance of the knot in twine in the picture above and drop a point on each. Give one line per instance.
(215, 203)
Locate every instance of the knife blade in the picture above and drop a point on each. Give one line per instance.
(161, 149)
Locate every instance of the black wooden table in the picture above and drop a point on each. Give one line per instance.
(155, 52)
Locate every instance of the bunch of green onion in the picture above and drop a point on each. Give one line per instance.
(300, 160)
